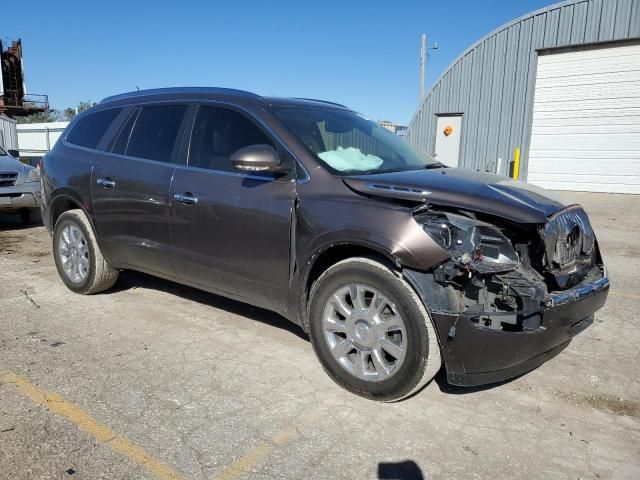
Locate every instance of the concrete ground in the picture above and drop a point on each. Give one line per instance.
(153, 379)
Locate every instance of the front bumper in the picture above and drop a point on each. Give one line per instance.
(475, 356)
(15, 198)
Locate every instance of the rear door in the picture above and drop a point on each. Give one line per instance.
(130, 188)
(232, 232)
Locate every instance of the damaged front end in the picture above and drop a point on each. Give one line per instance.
(510, 295)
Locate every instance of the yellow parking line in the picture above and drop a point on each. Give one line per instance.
(253, 457)
(58, 405)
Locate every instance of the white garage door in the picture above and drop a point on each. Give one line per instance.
(586, 121)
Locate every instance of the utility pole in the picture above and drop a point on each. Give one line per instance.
(424, 55)
(423, 61)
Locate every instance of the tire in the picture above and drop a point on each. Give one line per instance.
(93, 274)
(331, 306)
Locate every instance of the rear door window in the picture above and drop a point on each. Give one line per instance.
(217, 134)
(122, 140)
(90, 129)
(155, 132)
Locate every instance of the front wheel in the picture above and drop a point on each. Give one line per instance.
(371, 332)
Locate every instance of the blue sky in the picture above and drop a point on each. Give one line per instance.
(361, 53)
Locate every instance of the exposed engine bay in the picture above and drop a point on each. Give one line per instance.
(501, 274)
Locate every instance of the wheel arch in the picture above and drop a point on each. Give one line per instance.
(63, 202)
(333, 253)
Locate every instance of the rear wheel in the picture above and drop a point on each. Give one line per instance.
(371, 332)
(78, 259)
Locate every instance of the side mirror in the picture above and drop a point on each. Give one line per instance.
(256, 158)
(14, 153)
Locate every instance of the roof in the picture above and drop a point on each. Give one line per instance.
(3, 117)
(154, 92)
(302, 102)
(217, 92)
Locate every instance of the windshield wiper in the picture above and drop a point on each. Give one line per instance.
(435, 165)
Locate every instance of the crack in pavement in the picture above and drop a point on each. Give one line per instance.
(250, 459)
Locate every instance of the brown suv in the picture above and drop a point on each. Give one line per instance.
(392, 262)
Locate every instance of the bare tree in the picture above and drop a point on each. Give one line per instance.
(54, 115)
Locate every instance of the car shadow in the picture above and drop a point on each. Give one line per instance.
(406, 470)
(12, 221)
(129, 279)
(445, 387)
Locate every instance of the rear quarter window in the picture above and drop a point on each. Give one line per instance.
(89, 130)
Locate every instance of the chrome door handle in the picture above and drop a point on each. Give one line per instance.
(106, 182)
(186, 198)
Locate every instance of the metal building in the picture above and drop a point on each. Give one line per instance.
(552, 97)
(8, 133)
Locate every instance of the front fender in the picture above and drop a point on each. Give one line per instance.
(403, 252)
(402, 240)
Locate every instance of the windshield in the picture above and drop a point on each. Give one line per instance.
(347, 144)
(3, 152)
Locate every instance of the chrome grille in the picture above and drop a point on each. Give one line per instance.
(8, 179)
(568, 237)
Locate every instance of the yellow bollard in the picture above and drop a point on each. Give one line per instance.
(516, 164)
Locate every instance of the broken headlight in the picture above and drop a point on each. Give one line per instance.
(472, 244)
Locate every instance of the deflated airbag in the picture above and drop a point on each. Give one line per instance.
(350, 158)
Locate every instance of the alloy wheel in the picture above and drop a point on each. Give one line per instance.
(73, 252)
(364, 332)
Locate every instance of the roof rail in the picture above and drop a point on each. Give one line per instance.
(179, 90)
(320, 101)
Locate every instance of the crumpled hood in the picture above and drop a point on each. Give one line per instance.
(461, 188)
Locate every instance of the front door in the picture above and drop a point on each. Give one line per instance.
(448, 130)
(231, 230)
(130, 189)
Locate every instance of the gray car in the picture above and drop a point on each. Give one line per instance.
(19, 187)
(392, 263)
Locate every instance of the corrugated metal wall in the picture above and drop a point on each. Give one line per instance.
(8, 133)
(492, 82)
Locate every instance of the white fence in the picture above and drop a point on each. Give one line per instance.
(36, 139)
